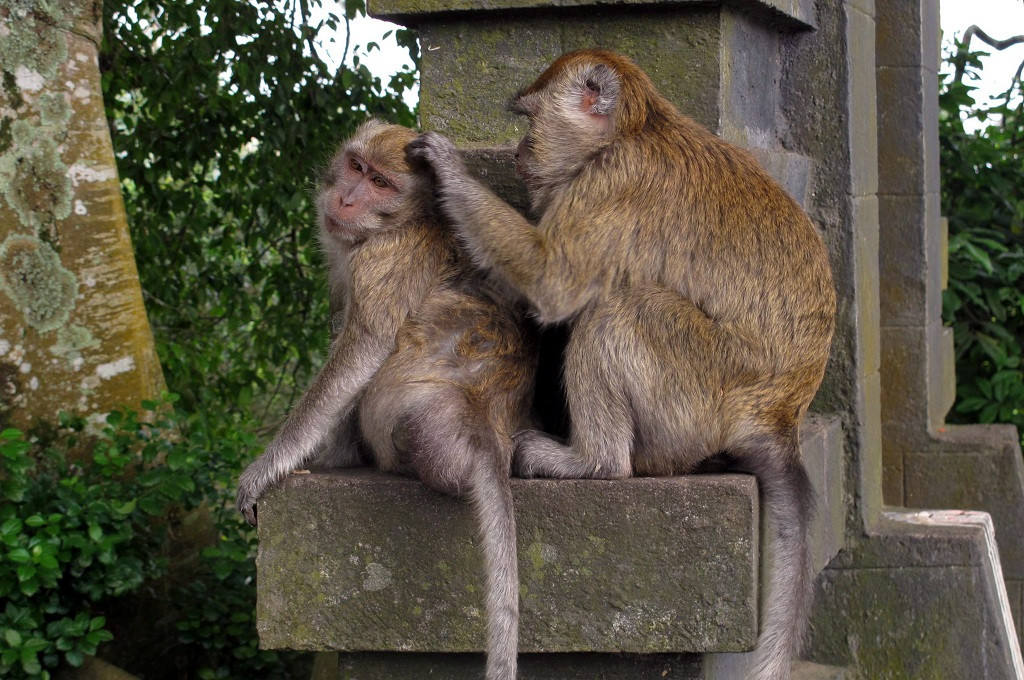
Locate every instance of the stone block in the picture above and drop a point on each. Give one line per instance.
(941, 361)
(864, 485)
(899, 42)
(406, 666)
(863, 117)
(496, 169)
(901, 130)
(909, 247)
(789, 13)
(793, 171)
(917, 601)
(987, 475)
(487, 60)
(750, 73)
(866, 246)
(361, 561)
(904, 377)
(892, 476)
(821, 448)
(1015, 593)
(805, 670)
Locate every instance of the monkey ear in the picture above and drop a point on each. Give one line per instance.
(599, 90)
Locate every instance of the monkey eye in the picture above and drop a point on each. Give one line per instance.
(355, 165)
(380, 182)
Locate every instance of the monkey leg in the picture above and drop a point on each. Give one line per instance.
(341, 450)
(647, 375)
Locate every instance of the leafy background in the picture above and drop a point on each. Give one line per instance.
(982, 156)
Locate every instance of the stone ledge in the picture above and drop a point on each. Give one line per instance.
(798, 13)
(356, 560)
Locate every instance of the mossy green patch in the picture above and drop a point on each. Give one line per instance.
(32, 276)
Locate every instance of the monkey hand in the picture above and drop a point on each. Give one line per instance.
(438, 152)
(251, 485)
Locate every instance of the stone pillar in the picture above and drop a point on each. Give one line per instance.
(928, 464)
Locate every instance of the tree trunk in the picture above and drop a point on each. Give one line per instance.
(73, 330)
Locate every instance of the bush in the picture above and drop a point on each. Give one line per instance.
(73, 535)
(982, 180)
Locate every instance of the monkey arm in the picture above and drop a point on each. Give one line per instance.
(498, 237)
(353, 361)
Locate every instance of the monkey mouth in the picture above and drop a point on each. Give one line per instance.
(337, 228)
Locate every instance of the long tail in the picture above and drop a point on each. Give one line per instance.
(789, 499)
(491, 497)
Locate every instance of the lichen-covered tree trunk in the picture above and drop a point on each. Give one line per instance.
(73, 330)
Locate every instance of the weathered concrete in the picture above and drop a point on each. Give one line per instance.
(799, 13)
(918, 600)
(361, 561)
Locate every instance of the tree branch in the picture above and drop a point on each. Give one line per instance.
(974, 30)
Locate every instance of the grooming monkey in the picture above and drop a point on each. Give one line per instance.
(432, 366)
(699, 294)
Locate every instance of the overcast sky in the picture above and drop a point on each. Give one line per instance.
(999, 18)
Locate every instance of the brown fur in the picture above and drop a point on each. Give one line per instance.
(432, 369)
(700, 297)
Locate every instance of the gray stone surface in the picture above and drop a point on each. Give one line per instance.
(904, 258)
(361, 561)
(805, 670)
(489, 59)
(975, 467)
(792, 13)
(821, 447)
(914, 602)
(404, 666)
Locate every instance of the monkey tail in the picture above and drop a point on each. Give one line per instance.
(789, 500)
(491, 497)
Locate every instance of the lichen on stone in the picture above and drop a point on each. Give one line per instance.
(32, 276)
(33, 178)
(34, 36)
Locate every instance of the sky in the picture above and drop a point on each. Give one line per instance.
(999, 18)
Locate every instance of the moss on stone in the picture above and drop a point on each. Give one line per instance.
(32, 276)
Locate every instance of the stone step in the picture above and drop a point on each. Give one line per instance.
(361, 561)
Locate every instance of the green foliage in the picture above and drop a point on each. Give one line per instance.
(73, 535)
(221, 114)
(982, 153)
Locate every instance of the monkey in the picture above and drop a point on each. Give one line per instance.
(432, 370)
(698, 292)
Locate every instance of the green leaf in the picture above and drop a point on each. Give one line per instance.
(12, 637)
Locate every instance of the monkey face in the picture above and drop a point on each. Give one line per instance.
(368, 186)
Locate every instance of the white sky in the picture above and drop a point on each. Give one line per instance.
(999, 18)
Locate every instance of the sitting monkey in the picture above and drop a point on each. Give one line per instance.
(699, 295)
(433, 366)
